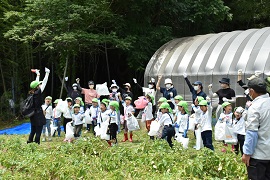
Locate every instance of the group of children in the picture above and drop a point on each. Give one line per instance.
(95, 111)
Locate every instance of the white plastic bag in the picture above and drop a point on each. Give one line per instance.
(191, 125)
(154, 128)
(102, 89)
(69, 131)
(62, 105)
(220, 131)
(199, 142)
(103, 131)
(97, 130)
(184, 141)
(87, 117)
(132, 124)
(230, 136)
(143, 117)
(53, 129)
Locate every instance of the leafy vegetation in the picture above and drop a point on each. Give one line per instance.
(91, 158)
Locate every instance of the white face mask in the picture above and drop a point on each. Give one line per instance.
(196, 88)
(150, 86)
(75, 87)
(114, 90)
(168, 86)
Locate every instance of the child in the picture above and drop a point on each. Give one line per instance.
(77, 119)
(128, 112)
(175, 102)
(79, 101)
(148, 112)
(239, 128)
(182, 118)
(113, 120)
(205, 122)
(94, 111)
(166, 121)
(67, 113)
(103, 113)
(57, 118)
(226, 117)
(48, 113)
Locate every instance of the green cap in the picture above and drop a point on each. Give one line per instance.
(95, 100)
(56, 101)
(178, 97)
(165, 105)
(225, 104)
(115, 104)
(200, 98)
(203, 103)
(128, 98)
(151, 96)
(184, 104)
(48, 97)
(162, 100)
(81, 101)
(76, 106)
(34, 84)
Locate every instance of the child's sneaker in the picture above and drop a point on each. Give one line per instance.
(86, 131)
(65, 140)
(43, 140)
(70, 140)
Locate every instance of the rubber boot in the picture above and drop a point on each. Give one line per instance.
(110, 143)
(130, 137)
(125, 137)
(44, 138)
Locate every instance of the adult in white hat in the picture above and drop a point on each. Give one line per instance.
(72, 92)
(168, 91)
(126, 91)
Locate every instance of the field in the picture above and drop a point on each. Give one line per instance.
(91, 158)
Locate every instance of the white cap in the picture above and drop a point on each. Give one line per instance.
(114, 85)
(127, 84)
(168, 81)
(240, 110)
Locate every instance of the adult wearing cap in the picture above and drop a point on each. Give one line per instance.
(89, 94)
(72, 92)
(151, 90)
(196, 88)
(225, 94)
(67, 112)
(115, 95)
(168, 91)
(38, 119)
(48, 113)
(256, 147)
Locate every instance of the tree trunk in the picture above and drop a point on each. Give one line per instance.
(63, 79)
(2, 75)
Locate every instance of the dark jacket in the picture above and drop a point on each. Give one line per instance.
(38, 119)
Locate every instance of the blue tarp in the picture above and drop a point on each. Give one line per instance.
(21, 129)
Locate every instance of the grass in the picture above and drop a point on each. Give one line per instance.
(91, 158)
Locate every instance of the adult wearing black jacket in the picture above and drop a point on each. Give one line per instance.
(38, 119)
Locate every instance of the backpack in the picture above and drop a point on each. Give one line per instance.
(27, 106)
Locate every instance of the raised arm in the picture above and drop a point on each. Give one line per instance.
(191, 88)
(45, 80)
(211, 94)
(158, 82)
(78, 83)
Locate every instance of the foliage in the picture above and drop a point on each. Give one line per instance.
(90, 158)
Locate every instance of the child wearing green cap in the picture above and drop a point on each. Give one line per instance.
(175, 100)
(166, 121)
(205, 122)
(128, 112)
(77, 119)
(181, 118)
(113, 122)
(94, 113)
(48, 113)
